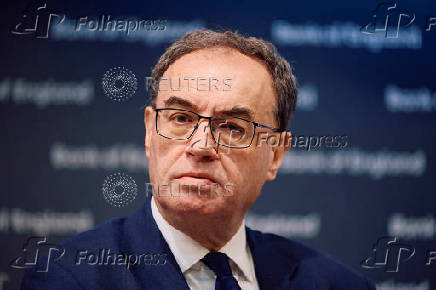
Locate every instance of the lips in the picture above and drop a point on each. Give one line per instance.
(197, 177)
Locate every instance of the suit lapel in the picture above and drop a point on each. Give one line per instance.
(143, 236)
(273, 270)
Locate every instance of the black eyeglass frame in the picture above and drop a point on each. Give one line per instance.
(210, 127)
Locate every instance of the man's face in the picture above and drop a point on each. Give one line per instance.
(229, 179)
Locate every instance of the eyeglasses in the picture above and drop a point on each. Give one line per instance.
(233, 132)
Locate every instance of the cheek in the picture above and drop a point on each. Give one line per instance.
(257, 161)
(247, 169)
(253, 170)
(162, 157)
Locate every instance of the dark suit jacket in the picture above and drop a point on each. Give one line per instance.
(279, 263)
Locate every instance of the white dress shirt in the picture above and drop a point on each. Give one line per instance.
(188, 253)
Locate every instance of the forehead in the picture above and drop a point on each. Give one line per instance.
(220, 78)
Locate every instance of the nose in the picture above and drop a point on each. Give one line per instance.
(202, 146)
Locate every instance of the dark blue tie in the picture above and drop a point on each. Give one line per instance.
(219, 264)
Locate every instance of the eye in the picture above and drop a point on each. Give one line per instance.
(232, 128)
(181, 118)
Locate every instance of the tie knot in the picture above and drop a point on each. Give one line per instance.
(219, 263)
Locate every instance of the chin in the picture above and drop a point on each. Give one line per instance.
(195, 204)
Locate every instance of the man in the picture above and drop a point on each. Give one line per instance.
(216, 94)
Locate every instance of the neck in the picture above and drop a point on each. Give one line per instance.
(212, 232)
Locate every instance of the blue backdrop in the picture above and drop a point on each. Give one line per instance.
(61, 136)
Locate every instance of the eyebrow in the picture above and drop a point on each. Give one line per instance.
(173, 100)
(239, 111)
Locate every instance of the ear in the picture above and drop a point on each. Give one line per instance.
(278, 154)
(149, 123)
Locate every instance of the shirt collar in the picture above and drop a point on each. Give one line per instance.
(188, 252)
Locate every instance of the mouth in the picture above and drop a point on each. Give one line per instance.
(196, 178)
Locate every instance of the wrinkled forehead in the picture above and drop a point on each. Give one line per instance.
(219, 79)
